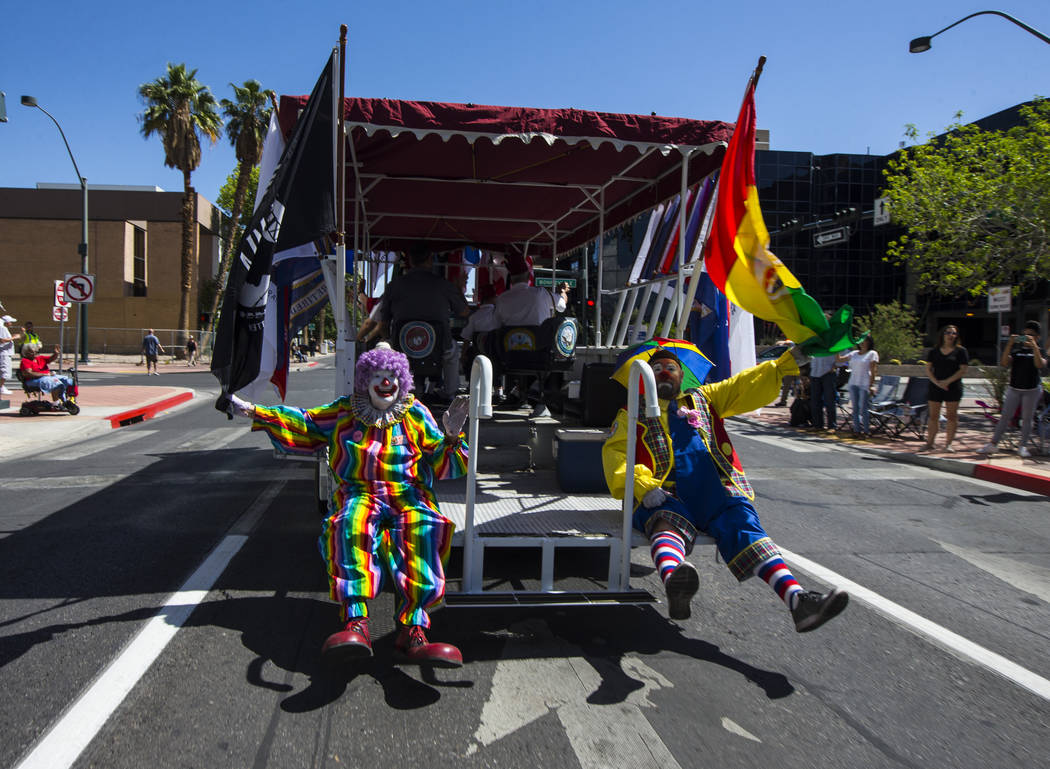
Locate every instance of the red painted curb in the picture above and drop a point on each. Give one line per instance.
(1018, 479)
(147, 412)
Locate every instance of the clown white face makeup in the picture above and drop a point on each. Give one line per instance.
(383, 389)
(668, 377)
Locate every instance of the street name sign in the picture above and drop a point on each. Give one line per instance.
(546, 282)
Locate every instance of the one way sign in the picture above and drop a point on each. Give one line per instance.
(830, 237)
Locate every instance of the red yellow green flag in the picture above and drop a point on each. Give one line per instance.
(742, 266)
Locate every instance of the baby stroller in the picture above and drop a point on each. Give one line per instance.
(38, 402)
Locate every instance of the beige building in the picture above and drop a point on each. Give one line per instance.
(134, 252)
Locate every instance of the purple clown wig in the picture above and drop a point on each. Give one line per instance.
(383, 357)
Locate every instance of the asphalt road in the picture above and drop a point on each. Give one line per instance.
(162, 604)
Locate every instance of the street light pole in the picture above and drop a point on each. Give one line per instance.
(921, 44)
(82, 249)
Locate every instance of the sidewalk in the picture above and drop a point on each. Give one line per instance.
(103, 407)
(1003, 467)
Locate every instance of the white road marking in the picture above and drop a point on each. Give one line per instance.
(1024, 576)
(89, 447)
(66, 740)
(600, 735)
(260, 475)
(783, 442)
(733, 727)
(214, 440)
(945, 638)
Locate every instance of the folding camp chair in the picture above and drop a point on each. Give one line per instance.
(885, 394)
(908, 414)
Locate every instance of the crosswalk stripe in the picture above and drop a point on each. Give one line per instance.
(94, 446)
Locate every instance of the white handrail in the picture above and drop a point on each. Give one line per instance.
(480, 408)
(641, 369)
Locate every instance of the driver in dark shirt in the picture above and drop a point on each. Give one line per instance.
(419, 294)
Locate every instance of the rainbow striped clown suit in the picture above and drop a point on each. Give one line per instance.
(384, 510)
(687, 453)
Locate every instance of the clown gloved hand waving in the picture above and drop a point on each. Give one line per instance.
(456, 416)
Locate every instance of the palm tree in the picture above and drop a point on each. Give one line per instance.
(181, 110)
(247, 120)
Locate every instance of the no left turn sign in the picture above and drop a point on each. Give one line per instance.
(80, 288)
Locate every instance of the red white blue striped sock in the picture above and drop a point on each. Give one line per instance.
(668, 550)
(779, 577)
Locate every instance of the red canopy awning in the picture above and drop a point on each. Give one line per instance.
(464, 174)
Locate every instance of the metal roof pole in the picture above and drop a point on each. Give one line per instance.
(601, 272)
(344, 346)
(618, 313)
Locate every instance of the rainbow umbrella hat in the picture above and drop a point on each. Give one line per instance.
(695, 364)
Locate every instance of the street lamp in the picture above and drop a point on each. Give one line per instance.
(30, 101)
(920, 44)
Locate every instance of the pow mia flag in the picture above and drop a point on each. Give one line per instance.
(297, 207)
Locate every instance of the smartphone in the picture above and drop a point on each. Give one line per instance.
(1020, 338)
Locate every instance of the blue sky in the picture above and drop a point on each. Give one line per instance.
(838, 78)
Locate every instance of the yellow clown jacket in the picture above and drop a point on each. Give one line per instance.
(708, 405)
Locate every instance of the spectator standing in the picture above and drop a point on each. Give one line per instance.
(7, 351)
(151, 348)
(822, 393)
(1025, 358)
(29, 335)
(946, 368)
(863, 366)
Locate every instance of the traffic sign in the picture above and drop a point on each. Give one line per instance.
(999, 299)
(830, 237)
(60, 294)
(80, 288)
(60, 314)
(882, 212)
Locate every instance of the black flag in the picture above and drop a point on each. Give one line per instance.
(297, 207)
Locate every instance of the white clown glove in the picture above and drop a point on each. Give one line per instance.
(456, 415)
(232, 405)
(654, 498)
(801, 359)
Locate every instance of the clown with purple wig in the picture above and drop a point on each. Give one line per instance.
(385, 450)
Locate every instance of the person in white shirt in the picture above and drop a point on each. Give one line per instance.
(522, 304)
(863, 365)
(7, 351)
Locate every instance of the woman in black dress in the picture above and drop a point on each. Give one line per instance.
(946, 368)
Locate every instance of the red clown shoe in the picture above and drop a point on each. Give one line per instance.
(412, 648)
(352, 642)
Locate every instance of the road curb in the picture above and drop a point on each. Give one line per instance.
(1004, 476)
(1015, 478)
(150, 410)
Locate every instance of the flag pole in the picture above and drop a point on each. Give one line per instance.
(686, 308)
(344, 353)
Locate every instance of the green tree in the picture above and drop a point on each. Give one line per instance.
(247, 118)
(227, 191)
(974, 206)
(893, 328)
(182, 111)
